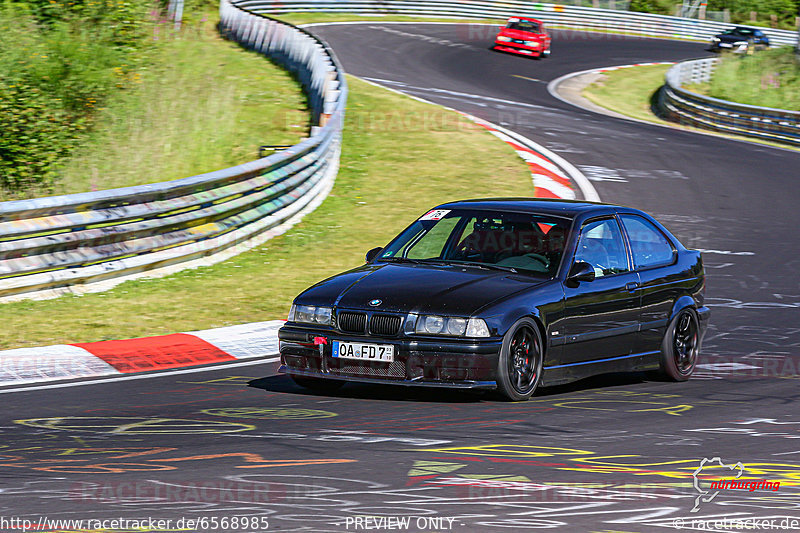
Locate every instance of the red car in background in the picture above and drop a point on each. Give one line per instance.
(525, 36)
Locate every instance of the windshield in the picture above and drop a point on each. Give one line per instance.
(523, 25)
(519, 242)
(739, 31)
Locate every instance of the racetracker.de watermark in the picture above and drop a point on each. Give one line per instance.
(738, 524)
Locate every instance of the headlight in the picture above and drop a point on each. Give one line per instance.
(503, 39)
(309, 314)
(715, 39)
(534, 44)
(443, 325)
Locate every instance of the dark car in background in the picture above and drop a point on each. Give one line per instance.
(505, 294)
(524, 36)
(740, 39)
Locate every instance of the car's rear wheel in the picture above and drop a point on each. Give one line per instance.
(318, 384)
(519, 368)
(680, 346)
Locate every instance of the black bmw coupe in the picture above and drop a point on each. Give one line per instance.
(510, 294)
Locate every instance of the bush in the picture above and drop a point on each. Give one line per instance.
(59, 61)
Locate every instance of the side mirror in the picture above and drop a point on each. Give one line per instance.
(372, 254)
(581, 271)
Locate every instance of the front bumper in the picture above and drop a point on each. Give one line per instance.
(445, 362)
(517, 49)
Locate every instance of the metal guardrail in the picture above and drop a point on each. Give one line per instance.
(567, 16)
(89, 241)
(687, 107)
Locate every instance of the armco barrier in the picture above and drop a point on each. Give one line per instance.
(573, 17)
(687, 107)
(89, 241)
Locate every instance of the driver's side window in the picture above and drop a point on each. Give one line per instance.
(601, 246)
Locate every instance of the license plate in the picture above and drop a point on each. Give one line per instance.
(725, 45)
(366, 352)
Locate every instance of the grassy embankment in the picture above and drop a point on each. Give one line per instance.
(399, 158)
(770, 78)
(199, 104)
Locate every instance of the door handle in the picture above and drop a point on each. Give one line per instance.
(631, 286)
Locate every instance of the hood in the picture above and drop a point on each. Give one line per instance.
(522, 35)
(409, 288)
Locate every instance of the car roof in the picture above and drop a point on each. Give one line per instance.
(564, 208)
(526, 18)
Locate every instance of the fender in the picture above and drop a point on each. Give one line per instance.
(680, 304)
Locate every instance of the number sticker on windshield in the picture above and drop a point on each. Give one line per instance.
(435, 214)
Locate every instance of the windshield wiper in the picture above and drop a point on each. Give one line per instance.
(400, 260)
(486, 266)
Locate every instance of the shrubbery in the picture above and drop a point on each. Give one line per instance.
(59, 61)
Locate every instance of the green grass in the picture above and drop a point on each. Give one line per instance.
(203, 104)
(628, 91)
(400, 157)
(769, 79)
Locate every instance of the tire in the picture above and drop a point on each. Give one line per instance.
(318, 384)
(680, 346)
(519, 367)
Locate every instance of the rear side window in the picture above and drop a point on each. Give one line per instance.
(648, 245)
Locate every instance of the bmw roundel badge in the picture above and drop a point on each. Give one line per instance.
(375, 303)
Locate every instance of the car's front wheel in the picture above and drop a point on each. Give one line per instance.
(519, 368)
(318, 384)
(680, 346)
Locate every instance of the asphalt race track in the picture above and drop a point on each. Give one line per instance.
(615, 453)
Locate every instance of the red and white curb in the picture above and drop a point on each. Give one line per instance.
(553, 176)
(549, 181)
(108, 358)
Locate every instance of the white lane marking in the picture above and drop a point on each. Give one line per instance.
(471, 96)
(723, 252)
(142, 376)
(414, 23)
(726, 367)
(426, 38)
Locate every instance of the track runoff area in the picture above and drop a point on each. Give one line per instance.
(613, 453)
